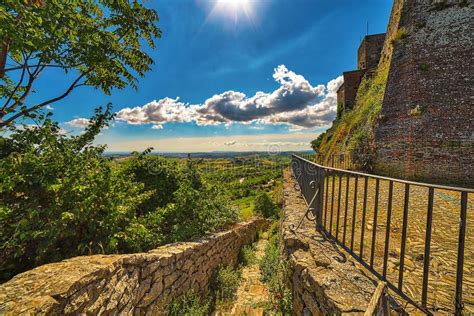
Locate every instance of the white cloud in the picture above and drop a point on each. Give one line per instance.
(295, 102)
(230, 143)
(158, 126)
(32, 127)
(79, 122)
(157, 112)
(49, 107)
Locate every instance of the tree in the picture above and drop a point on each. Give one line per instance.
(100, 42)
(264, 205)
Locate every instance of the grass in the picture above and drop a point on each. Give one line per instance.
(400, 35)
(353, 132)
(190, 304)
(224, 284)
(247, 255)
(275, 274)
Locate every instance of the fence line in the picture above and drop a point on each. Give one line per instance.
(314, 183)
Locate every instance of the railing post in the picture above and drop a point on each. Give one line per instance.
(319, 200)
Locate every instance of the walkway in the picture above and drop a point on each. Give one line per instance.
(252, 294)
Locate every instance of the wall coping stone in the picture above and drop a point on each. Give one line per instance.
(325, 280)
(140, 283)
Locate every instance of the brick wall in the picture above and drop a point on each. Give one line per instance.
(347, 93)
(368, 54)
(426, 131)
(138, 284)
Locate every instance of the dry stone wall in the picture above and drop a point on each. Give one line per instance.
(324, 280)
(138, 284)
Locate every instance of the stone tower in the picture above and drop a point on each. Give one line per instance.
(426, 126)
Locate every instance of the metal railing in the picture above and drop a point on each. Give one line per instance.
(317, 185)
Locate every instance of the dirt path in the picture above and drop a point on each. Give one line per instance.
(252, 294)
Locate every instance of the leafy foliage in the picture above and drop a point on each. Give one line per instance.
(224, 283)
(61, 197)
(247, 255)
(275, 275)
(189, 305)
(264, 205)
(100, 42)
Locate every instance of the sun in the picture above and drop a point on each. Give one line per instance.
(234, 10)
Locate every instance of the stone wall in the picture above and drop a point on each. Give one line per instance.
(368, 54)
(346, 95)
(426, 126)
(324, 280)
(138, 284)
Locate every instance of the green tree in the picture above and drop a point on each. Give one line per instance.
(264, 205)
(101, 43)
(60, 197)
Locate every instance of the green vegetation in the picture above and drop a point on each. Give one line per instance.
(247, 255)
(224, 284)
(424, 67)
(265, 206)
(190, 304)
(275, 275)
(353, 132)
(61, 197)
(100, 43)
(399, 35)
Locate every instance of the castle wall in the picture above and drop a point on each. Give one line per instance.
(426, 126)
(368, 54)
(352, 80)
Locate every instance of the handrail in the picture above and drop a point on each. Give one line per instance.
(313, 182)
(422, 184)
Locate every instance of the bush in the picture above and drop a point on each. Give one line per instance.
(61, 197)
(247, 255)
(224, 284)
(275, 274)
(264, 205)
(189, 305)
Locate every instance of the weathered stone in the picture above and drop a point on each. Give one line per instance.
(136, 284)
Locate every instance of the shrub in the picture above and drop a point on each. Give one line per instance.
(275, 275)
(156, 174)
(264, 205)
(189, 305)
(247, 255)
(60, 197)
(424, 67)
(224, 284)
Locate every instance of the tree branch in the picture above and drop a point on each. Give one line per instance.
(38, 106)
(48, 65)
(15, 90)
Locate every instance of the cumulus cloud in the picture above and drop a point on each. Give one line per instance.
(158, 126)
(79, 122)
(295, 102)
(157, 112)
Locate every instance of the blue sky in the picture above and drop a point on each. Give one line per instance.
(238, 76)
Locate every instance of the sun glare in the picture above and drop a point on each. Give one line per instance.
(234, 10)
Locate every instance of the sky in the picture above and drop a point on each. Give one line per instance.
(231, 75)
